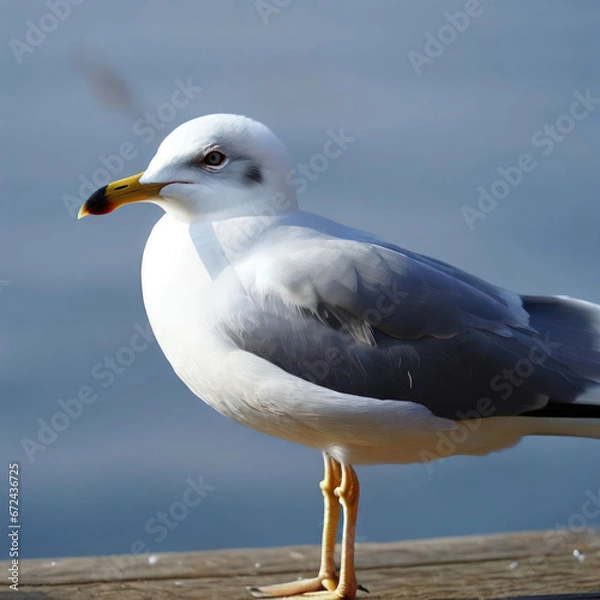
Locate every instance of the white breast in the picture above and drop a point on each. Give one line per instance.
(183, 305)
(175, 286)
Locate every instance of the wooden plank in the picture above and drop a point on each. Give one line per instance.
(494, 566)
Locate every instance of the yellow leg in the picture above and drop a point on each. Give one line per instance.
(348, 494)
(329, 485)
(327, 579)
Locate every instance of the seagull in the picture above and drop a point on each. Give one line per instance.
(324, 335)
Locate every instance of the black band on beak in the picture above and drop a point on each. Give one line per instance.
(98, 203)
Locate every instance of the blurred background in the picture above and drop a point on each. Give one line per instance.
(88, 93)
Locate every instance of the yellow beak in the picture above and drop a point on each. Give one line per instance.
(124, 191)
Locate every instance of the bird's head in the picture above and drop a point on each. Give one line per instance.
(211, 168)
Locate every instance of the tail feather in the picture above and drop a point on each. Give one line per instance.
(571, 328)
(572, 324)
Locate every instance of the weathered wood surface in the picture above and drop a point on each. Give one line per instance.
(518, 565)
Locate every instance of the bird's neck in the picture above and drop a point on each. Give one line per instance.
(219, 243)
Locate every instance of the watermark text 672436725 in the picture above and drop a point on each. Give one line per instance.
(14, 525)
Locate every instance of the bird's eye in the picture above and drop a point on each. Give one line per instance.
(214, 158)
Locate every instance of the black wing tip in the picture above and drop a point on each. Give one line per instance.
(554, 410)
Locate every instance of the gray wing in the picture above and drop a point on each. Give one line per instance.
(380, 322)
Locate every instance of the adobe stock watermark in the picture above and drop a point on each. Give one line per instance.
(104, 372)
(504, 384)
(4, 283)
(544, 140)
(436, 43)
(316, 370)
(560, 538)
(297, 180)
(303, 174)
(146, 129)
(587, 516)
(385, 304)
(267, 9)
(162, 522)
(158, 526)
(37, 30)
